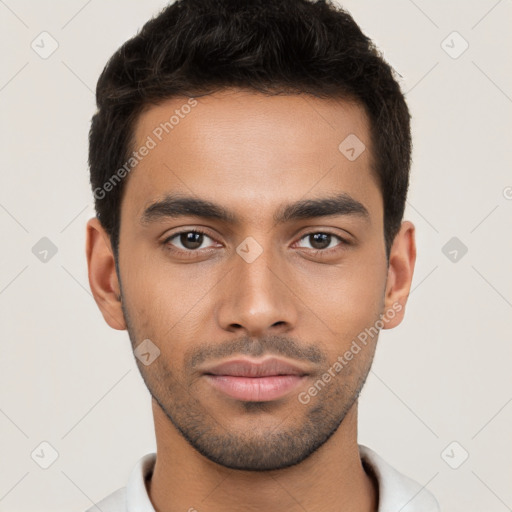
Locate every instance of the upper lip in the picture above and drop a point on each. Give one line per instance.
(242, 367)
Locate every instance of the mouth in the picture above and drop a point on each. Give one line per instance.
(255, 389)
(256, 381)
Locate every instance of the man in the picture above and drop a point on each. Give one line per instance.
(250, 165)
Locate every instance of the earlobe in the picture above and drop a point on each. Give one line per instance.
(102, 275)
(402, 259)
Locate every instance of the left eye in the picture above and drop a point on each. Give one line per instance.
(322, 241)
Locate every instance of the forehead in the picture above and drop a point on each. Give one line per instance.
(249, 150)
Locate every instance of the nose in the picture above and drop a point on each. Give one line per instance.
(256, 299)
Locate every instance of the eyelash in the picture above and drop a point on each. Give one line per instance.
(191, 253)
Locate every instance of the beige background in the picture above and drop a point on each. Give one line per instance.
(442, 376)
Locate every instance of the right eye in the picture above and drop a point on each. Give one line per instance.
(190, 240)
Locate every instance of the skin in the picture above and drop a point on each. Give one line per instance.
(252, 154)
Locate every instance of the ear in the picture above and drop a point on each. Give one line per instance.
(402, 258)
(102, 275)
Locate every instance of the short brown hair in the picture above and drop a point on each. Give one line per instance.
(197, 47)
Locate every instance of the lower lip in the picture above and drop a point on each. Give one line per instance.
(255, 389)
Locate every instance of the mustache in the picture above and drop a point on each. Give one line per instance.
(249, 346)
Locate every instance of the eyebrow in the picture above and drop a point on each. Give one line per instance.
(175, 206)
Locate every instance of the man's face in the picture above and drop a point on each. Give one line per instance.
(261, 283)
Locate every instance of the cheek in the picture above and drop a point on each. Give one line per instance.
(168, 304)
(150, 283)
(351, 299)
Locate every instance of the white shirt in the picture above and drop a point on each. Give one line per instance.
(397, 493)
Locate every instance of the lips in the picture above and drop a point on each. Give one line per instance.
(249, 368)
(255, 381)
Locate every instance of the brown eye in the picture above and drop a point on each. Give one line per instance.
(321, 241)
(187, 240)
(191, 240)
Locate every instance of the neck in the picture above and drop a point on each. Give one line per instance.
(331, 479)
